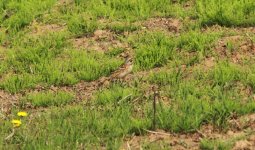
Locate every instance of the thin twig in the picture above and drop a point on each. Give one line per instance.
(128, 146)
(154, 108)
(201, 134)
(136, 99)
(155, 132)
(155, 95)
(124, 98)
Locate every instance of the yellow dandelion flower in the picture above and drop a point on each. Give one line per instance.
(22, 114)
(16, 123)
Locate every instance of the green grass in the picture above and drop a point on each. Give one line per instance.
(226, 13)
(77, 66)
(124, 9)
(82, 127)
(215, 144)
(155, 49)
(152, 50)
(120, 27)
(195, 94)
(115, 95)
(81, 25)
(45, 99)
(197, 100)
(16, 15)
(197, 41)
(39, 60)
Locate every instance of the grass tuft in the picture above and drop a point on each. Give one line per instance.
(226, 13)
(46, 99)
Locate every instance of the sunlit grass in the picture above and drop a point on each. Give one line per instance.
(191, 93)
(16, 15)
(77, 66)
(226, 13)
(44, 99)
(152, 50)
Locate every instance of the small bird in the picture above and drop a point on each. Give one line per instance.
(120, 73)
(124, 70)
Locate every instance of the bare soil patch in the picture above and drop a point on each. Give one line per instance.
(237, 47)
(7, 101)
(208, 62)
(102, 40)
(168, 24)
(230, 30)
(163, 140)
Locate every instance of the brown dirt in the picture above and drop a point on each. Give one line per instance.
(229, 30)
(7, 101)
(168, 24)
(102, 40)
(208, 62)
(237, 47)
(162, 139)
(243, 145)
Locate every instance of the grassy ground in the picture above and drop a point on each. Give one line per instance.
(198, 54)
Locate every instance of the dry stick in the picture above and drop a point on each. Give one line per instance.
(154, 107)
(154, 132)
(124, 98)
(201, 133)
(128, 146)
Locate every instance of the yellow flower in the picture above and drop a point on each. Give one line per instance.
(22, 114)
(16, 123)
